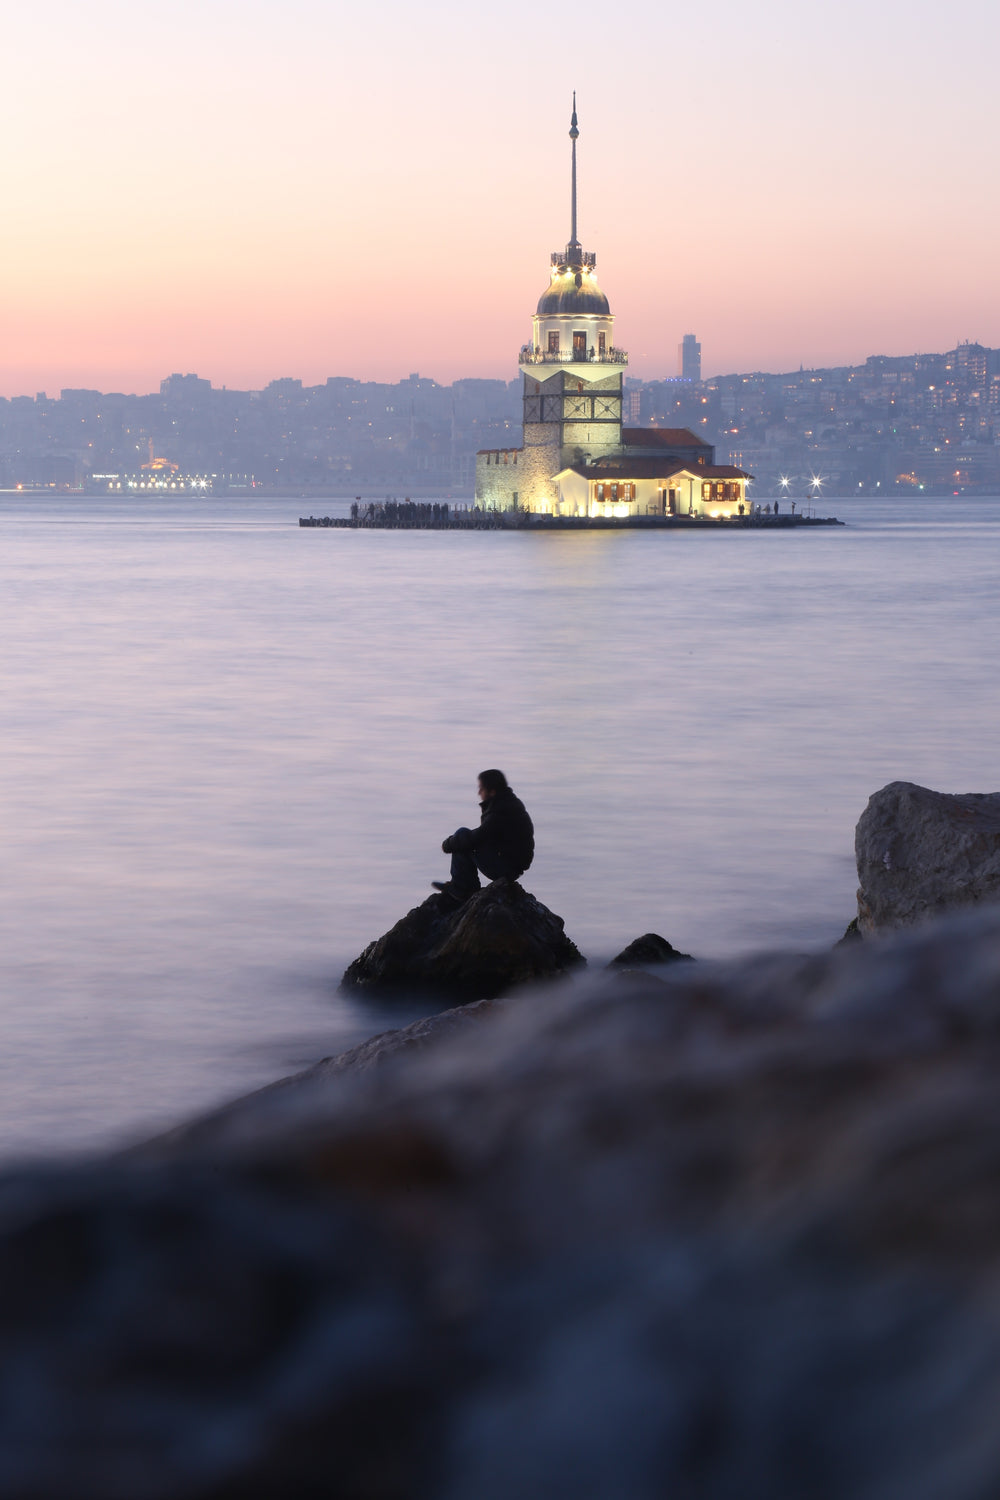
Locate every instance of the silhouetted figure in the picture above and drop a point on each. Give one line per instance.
(502, 846)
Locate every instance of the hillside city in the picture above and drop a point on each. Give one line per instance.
(923, 422)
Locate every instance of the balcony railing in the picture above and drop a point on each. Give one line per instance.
(532, 355)
(581, 258)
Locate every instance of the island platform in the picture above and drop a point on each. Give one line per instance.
(407, 515)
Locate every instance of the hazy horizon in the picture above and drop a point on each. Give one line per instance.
(154, 389)
(244, 191)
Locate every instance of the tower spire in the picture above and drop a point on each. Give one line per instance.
(573, 134)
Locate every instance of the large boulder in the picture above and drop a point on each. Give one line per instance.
(732, 1231)
(500, 938)
(921, 853)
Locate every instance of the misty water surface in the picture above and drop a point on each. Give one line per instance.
(232, 747)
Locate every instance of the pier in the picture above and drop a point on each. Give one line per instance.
(407, 515)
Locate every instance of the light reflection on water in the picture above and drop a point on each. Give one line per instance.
(232, 748)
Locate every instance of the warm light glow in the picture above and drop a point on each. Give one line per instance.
(403, 219)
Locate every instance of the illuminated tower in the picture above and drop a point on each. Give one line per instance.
(572, 371)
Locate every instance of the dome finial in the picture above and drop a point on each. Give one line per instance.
(573, 134)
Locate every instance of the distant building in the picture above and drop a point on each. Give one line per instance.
(577, 459)
(185, 385)
(689, 358)
(970, 360)
(632, 403)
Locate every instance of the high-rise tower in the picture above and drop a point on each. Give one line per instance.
(689, 358)
(572, 371)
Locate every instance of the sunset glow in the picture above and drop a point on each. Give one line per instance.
(253, 190)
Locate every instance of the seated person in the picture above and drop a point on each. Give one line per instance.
(502, 845)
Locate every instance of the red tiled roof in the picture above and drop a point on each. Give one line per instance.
(635, 468)
(722, 471)
(655, 468)
(662, 437)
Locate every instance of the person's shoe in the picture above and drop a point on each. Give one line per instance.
(448, 891)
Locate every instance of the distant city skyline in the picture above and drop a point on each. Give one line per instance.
(928, 422)
(251, 191)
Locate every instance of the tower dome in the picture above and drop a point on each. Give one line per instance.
(573, 289)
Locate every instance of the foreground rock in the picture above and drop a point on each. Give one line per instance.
(732, 1231)
(921, 853)
(254, 1111)
(501, 938)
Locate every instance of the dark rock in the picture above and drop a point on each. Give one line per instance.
(734, 1232)
(270, 1102)
(405, 1040)
(851, 934)
(501, 938)
(648, 949)
(921, 853)
(170, 1332)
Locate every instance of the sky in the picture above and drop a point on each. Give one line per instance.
(258, 189)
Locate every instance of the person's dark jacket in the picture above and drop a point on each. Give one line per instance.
(505, 838)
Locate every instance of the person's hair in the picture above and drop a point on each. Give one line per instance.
(493, 781)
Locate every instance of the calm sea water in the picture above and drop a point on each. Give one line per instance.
(232, 747)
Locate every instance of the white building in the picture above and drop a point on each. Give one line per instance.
(576, 458)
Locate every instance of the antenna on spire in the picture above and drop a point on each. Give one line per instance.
(573, 134)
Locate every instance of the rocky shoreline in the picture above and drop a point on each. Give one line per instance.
(710, 1229)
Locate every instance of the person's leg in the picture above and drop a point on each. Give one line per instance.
(495, 868)
(464, 871)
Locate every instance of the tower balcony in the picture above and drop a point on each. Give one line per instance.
(532, 355)
(574, 257)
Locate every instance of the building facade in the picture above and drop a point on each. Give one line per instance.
(576, 458)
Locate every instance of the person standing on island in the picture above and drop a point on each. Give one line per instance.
(502, 846)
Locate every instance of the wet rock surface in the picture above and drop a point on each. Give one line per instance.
(921, 853)
(648, 949)
(731, 1231)
(502, 937)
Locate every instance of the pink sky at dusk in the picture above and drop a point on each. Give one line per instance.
(254, 190)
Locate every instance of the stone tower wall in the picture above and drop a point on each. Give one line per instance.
(523, 476)
(541, 461)
(499, 484)
(583, 440)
